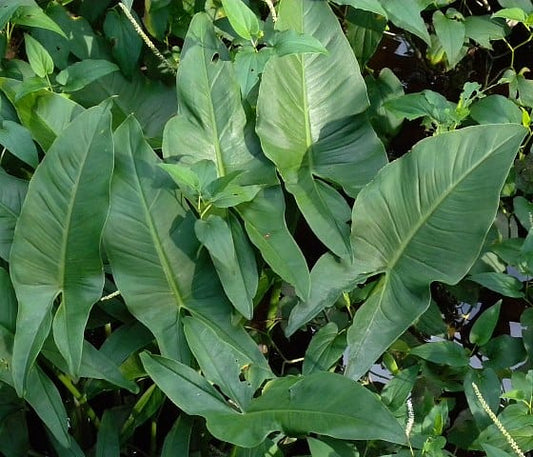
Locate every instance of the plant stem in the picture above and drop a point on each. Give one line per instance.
(80, 398)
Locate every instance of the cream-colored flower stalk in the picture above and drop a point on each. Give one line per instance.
(497, 422)
(145, 37)
(410, 418)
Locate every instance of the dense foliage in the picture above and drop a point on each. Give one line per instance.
(241, 228)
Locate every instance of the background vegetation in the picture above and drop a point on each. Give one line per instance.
(254, 229)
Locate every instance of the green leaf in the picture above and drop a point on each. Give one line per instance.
(33, 16)
(38, 57)
(503, 351)
(185, 387)
(266, 449)
(406, 15)
(440, 198)
(489, 385)
(288, 404)
(398, 389)
(242, 19)
(525, 5)
(55, 253)
(146, 407)
(221, 363)
(496, 109)
(324, 350)
(483, 30)
(94, 364)
(126, 43)
(442, 353)
(364, 31)
(372, 6)
(514, 14)
(203, 130)
(14, 438)
(12, 194)
(481, 331)
(212, 126)
(518, 422)
(108, 439)
(451, 34)
(45, 399)
(264, 220)
(385, 87)
(44, 113)
(8, 307)
(17, 140)
(312, 126)
(178, 438)
(233, 259)
(523, 210)
(71, 449)
(83, 73)
(249, 64)
(41, 394)
(81, 40)
(330, 277)
(499, 282)
(327, 447)
(290, 42)
(152, 102)
(31, 85)
(425, 103)
(492, 451)
(145, 210)
(9, 7)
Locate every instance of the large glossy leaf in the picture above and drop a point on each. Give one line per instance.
(12, 193)
(424, 219)
(310, 122)
(211, 120)
(155, 256)
(323, 403)
(212, 125)
(56, 246)
(149, 240)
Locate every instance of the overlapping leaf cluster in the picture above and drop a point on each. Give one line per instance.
(147, 228)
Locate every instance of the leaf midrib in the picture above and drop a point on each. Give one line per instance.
(165, 263)
(214, 133)
(435, 206)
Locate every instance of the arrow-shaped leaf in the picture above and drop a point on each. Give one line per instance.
(424, 219)
(56, 245)
(310, 123)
